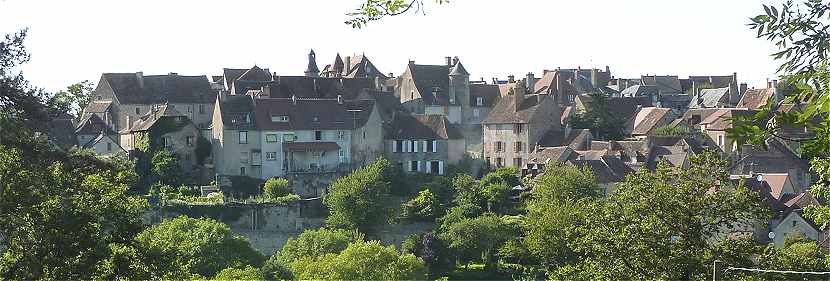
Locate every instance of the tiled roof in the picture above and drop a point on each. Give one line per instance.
(237, 112)
(722, 119)
(577, 139)
(555, 154)
(505, 109)
(97, 106)
(314, 87)
(93, 125)
(147, 121)
(312, 114)
(155, 89)
(711, 98)
(408, 126)
(489, 92)
(756, 98)
(606, 169)
(649, 118)
(664, 84)
(777, 158)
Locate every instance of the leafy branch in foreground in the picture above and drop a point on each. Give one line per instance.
(373, 10)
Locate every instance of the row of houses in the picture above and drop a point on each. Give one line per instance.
(315, 127)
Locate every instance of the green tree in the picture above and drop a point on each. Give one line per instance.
(166, 169)
(557, 212)
(315, 243)
(197, 246)
(59, 212)
(357, 201)
(276, 187)
(373, 10)
(362, 261)
(248, 272)
(599, 119)
(659, 225)
(425, 206)
(798, 254)
(76, 97)
(432, 250)
(477, 239)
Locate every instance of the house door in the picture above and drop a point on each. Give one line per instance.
(433, 167)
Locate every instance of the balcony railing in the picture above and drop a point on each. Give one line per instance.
(297, 168)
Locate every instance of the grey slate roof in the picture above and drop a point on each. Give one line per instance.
(313, 87)
(577, 139)
(93, 125)
(311, 114)
(458, 70)
(147, 121)
(237, 112)
(711, 98)
(489, 92)
(431, 77)
(639, 90)
(155, 89)
(665, 84)
(407, 126)
(505, 110)
(649, 118)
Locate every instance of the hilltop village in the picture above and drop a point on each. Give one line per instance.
(314, 128)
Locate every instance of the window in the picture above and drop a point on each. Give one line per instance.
(187, 156)
(341, 153)
(499, 146)
(98, 97)
(341, 135)
(476, 112)
(519, 146)
(243, 137)
(519, 128)
(271, 138)
(720, 141)
(279, 118)
(413, 166)
(480, 101)
(434, 146)
(270, 156)
(415, 146)
(318, 135)
(795, 223)
(138, 111)
(243, 157)
(109, 146)
(517, 162)
(242, 171)
(289, 137)
(411, 95)
(499, 162)
(189, 140)
(168, 141)
(397, 146)
(201, 109)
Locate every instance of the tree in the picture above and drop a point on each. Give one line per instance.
(425, 206)
(477, 239)
(599, 119)
(556, 213)
(197, 246)
(75, 98)
(166, 169)
(432, 250)
(362, 261)
(357, 201)
(248, 272)
(373, 10)
(659, 225)
(798, 254)
(276, 187)
(315, 243)
(799, 31)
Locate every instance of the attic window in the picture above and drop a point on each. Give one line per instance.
(279, 118)
(316, 119)
(479, 101)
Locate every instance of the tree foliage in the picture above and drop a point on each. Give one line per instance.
(166, 169)
(276, 187)
(362, 261)
(75, 98)
(424, 207)
(357, 201)
(373, 10)
(599, 118)
(248, 273)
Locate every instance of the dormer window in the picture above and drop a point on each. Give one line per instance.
(479, 101)
(279, 118)
(315, 119)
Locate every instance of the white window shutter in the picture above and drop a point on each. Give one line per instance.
(441, 168)
(394, 146)
(414, 146)
(434, 146)
(425, 146)
(405, 146)
(419, 166)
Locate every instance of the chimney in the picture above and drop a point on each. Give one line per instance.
(449, 61)
(608, 70)
(769, 83)
(530, 82)
(172, 74)
(411, 62)
(694, 91)
(455, 60)
(294, 99)
(594, 77)
(391, 75)
(742, 88)
(140, 77)
(775, 95)
(511, 78)
(519, 93)
(347, 65)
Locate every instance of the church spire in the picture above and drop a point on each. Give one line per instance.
(312, 70)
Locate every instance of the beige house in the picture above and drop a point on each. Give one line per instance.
(424, 144)
(165, 128)
(515, 126)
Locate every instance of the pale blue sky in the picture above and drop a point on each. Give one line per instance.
(76, 40)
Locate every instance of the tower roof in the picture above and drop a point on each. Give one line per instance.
(312, 64)
(458, 70)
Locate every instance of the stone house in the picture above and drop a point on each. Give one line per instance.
(91, 127)
(564, 85)
(122, 99)
(648, 119)
(424, 143)
(515, 126)
(436, 90)
(105, 145)
(165, 128)
(777, 158)
(716, 124)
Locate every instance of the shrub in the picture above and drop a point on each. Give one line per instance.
(276, 187)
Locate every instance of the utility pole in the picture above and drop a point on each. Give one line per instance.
(715, 270)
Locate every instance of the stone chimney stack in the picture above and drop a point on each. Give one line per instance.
(519, 92)
(449, 61)
(411, 62)
(511, 78)
(140, 77)
(530, 82)
(347, 65)
(775, 94)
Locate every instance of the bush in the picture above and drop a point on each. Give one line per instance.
(357, 201)
(243, 187)
(425, 207)
(276, 187)
(246, 273)
(282, 200)
(362, 261)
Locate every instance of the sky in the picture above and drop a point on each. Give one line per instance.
(72, 41)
